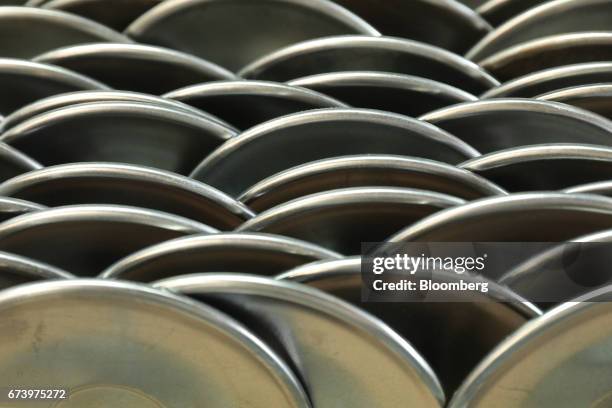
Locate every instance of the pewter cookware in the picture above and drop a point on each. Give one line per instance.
(363, 171)
(596, 98)
(498, 12)
(497, 124)
(13, 162)
(544, 167)
(342, 219)
(553, 79)
(262, 254)
(476, 322)
(405, 94)
(361, 53)
(296, 139)
(16, 270)
(26, 31)
(126, 132)
(335, 348)
(136, 67)
(245, 104)
(233, 33)
(23, 82)
(550, 18)
(561, 359)
(86, 239)
(444, 23)
(78, 334)
(109, 183)
(12, 207)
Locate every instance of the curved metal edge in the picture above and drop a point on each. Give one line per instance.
(9, 153)
(32, 267)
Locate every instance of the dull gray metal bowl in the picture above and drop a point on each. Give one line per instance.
(109, 183)
(544, 167)
(497, 124)
(296, 139)
(475, 323)
(26, 31)
(363, 171)
(16, 270)
(361, 53)
(342, 219)
(595, 98)
(85, 239)
(126, 132)
(136, 67)
(85, 330)
(233, 33)
(13, 207)
(404, 94)
(335, 348)
(13, 162)
(245, 104)
(498, 12)
(263, 254)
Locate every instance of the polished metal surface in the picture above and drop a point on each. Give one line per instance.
(342, 219)
(544, 167)
(126, 132)
(16, 270)
(135, 67)
(13, 162)
(108, 183)
(404, 94)
(296, 139)
(13, 207)
(200, 27)
(475, 322)
(101, 339)
(361, 53)
(336, 348)
(245, 104)
(26, 32)
(364, 171)
(599, 187)
(596, 98)
(85, 239)
(262, 254)
(497, 124)
(498, 12)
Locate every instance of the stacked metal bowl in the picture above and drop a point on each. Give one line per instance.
(186, 185)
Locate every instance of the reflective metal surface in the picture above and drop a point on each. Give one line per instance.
(304, 137)
(16, 270)
(336, 348)
(595, 98)
(263, 254)
(85, 329)
(498, 12)
(12, 207)
(13, 162)
(599, 187)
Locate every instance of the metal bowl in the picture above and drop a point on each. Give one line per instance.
(16, 270)
(404, 94)
(497, 124)
(136, 67)
(108, 183)
(126, 132)
(245, 104)
(544, 167)
(12, 207)
(263, 254)
(233, 33)
(343, 219)
(596, 98)
(85, 330)
(498, 12)
(86, 239)
(335, 348)
(361, 53)
(296, 139)
(13, 162)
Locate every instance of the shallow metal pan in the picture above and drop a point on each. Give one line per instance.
(296, 139)
(13, 207)
(126, 132)
(444, 23)
(16, 270)
(364, 171)
(233, 33)
(40, 30)
(24, 82)
(452, 336)
(86, 239)
(85, 330)
(13, 162)
(336, 348)
(108, 183)
(497, 124)
(342, 219)
(263, 254)
(404, 94)
(544, 167)
(498, 12)
(245, 104)
(595, 98)
(361, 53)
(136, 67)
(549, 362)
